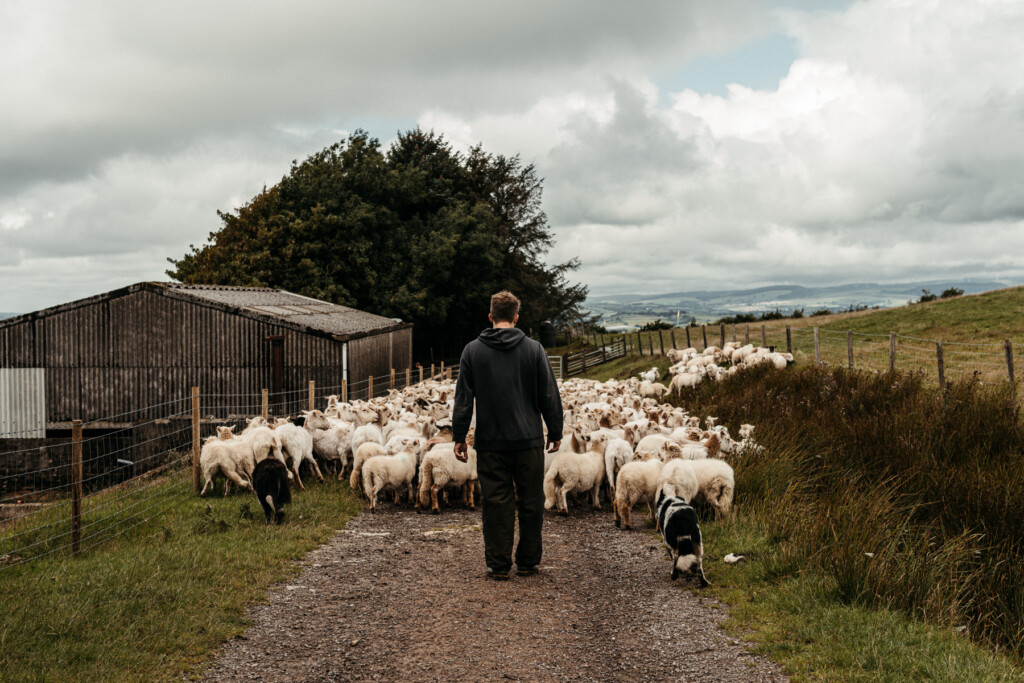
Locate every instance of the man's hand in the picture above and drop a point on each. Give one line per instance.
(553, 446)
(461, 451)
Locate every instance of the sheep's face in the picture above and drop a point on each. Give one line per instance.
(316, 420)
(226, 433)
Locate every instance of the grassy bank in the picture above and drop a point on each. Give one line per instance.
(882, 522)
(153, 602)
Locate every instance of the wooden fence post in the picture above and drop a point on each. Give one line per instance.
(942, 364)
(672, 333)
(733, 332)
(789, 339)
(764, 336)
(431, 371)
(76, 486)
(721, 328)
(312, 394)
(892, 352)
(442, 370)
(650, 342)
(265, 407)
(344, 391)
(408, 377)
(704, 331)
(817, 347)
(392, 379)
(849, 347)
(369, 388)
(688, 344)
(746, 333)
(1009, 359)
(195, 439)
(421, 374)
(661, 342)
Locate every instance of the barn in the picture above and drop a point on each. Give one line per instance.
(109, 358)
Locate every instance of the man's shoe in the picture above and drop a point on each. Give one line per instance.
(497, 574)
(528, 570)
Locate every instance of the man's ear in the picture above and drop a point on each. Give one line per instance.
(489, 317)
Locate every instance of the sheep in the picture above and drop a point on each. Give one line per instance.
(650, 446)
(653, 390)
(364, 453)
(637, 483)
(677, 479)
(681, 532)
(440, 468)
(573, 472)
(685, 380)
(297, 442)
(715, 484)
(232, 457)
(391, 471)
(616, 454)
(270, 483)
(652, 375)
(746, 431)
(331, 440)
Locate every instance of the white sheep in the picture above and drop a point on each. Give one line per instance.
(232, 457)
(637, 483)
(297, 443)
(652, 390)
(391, 471)
(574, 472)
(440, 468)
(678, 479)
(363, 453)
(652, 375)
(616, 454)
(715, 483)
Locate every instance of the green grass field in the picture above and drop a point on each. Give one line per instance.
(160, 598)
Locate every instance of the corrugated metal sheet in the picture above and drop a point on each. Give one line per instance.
(22, 403)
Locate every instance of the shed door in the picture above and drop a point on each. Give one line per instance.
(22, 403)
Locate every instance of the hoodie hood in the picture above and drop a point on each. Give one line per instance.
(502, 338)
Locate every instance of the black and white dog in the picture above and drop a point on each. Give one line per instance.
(679, 529)
(270, 482)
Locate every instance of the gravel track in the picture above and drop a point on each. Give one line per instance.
(401, 596)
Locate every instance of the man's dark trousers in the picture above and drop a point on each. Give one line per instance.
(497, 470)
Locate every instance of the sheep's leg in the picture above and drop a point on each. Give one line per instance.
(626, 510)
(565, 503)
(316, 467)
(595, 496)
(209, 482)
(615, 509)
(227, 486)
(433, 500)
(295, 469)
(412, 494)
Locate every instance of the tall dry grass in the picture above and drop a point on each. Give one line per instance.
(905, 496)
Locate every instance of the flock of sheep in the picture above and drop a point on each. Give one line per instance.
(620, 442)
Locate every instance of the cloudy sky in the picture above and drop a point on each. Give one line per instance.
(684, 145)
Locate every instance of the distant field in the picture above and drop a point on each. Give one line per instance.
(972, 328)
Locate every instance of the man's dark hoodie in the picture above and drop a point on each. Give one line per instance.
(511, 380)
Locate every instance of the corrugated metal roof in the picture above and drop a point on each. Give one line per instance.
(273, 305)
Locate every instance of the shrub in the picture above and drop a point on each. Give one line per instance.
(951, 293)
(904, 495)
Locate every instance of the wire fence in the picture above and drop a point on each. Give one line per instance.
(82, 486)
(943, 361)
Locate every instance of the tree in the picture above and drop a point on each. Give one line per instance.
(418, 232)
(926, 296)
(951, 293)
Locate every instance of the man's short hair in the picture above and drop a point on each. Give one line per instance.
(504, 306)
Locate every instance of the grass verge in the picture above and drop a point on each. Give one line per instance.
(882, 523)
(154, 602)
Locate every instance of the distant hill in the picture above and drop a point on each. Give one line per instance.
(7, 315)
(631, 309)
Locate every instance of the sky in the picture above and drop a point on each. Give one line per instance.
(684, 145)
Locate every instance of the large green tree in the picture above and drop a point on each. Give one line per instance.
(418, 232)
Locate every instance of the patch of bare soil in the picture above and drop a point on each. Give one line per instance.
(401, 596)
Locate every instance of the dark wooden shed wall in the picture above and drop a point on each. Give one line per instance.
(115, 356)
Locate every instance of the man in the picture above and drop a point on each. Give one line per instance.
(512, 383)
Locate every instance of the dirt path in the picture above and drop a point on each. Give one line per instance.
(401, 596)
